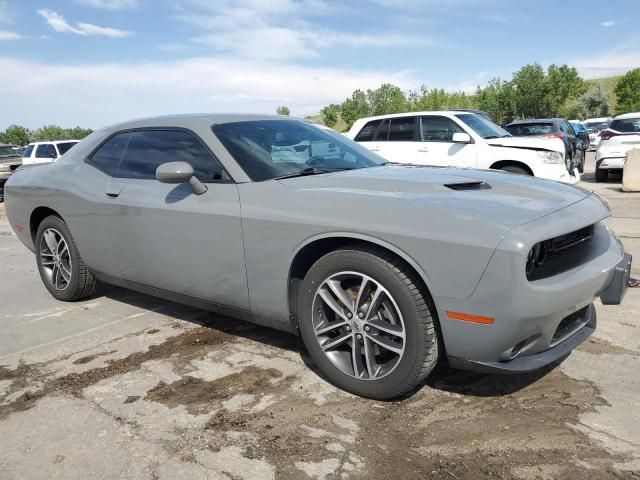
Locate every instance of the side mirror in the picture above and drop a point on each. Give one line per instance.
(460, 137)
(179, 172)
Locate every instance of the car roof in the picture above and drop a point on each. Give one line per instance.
(409, 114)
(627, 115)
(536, 120)
(55, 142)
(192, 119)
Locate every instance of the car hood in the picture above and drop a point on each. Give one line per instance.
(554, 144)
(499, 197)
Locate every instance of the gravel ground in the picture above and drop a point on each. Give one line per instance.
(129, 386)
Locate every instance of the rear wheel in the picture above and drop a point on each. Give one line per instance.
(366, 322)
(61, 268)
(514, 169)
(581, 164)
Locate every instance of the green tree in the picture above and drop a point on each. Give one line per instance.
(628, 92)
(15, 135)
(530, 91)
(497, 99)
(385, 99)
(77, 133)
(354, 108)
(283, 110)
(564, 84)
(49, 132)
(330, 115)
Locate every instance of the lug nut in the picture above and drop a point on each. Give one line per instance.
(348, 328)
(367, 328)
(349, 315)
(359, 336)
(360, 315)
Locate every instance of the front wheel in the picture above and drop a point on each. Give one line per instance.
(366, 321)
(61, 268)
(514, 169)
(601, 174)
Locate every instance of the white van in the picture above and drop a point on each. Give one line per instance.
(46, 152)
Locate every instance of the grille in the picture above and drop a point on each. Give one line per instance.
(570, 325)
(557, 245)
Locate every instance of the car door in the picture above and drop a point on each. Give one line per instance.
(397, 139)
(437, 146)
(164, 235)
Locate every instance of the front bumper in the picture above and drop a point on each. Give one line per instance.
(611, 163)
(530, 315)
(557, 172)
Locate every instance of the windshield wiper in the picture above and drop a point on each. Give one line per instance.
(311, 171)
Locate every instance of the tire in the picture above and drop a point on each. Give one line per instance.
(581, 164)
(61, 268)
(402, 300)
(601, 174)
(514, 169)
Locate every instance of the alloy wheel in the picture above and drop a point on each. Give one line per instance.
(358, 325)
(55, 259)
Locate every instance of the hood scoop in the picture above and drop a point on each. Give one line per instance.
(478, 185)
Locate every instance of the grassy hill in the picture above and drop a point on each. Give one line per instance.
(340, 126)
(607, 86)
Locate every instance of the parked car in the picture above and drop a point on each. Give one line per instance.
(594, 138)
(553, 128)
(381, 268)
(583, 135)
(622, 135)
(460, 139)
(477, 112)
(599, 124)
(45, 152)
(9, 162)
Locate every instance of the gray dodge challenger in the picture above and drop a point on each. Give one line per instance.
(382, 269)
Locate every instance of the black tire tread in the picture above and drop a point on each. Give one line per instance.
(85, 283)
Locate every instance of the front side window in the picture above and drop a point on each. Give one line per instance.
(138, 154)
(266, 149)
(46, 150)
(483, 127)
(438, 129)
(402, 129)
(28, 151)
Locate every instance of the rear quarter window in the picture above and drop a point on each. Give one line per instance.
(65, 147)
(626, 125)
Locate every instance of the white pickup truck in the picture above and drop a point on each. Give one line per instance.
(462, 139)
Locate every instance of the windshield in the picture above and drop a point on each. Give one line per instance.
(483, 127)
(266, 149)
(531, 129)
(597, 125)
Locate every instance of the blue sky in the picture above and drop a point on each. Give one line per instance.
(95, 62)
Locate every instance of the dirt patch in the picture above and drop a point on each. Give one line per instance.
(192, 344)
(597, 345)
(201, 396)
(132, 399)
(152, 331)
(91, 358)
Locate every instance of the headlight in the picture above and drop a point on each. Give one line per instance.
(550, 157)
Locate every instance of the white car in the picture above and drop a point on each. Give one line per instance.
(46, 152)
(461, 139)
(622, 135)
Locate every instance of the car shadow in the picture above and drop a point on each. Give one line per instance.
(443, 377)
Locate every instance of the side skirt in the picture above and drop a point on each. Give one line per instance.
(285, 325)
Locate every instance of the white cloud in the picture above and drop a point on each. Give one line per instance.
(5, 35)
(614, 62)
(608, 23)
(109, 4)
(97, 94)
(278, 30)
(60, 25)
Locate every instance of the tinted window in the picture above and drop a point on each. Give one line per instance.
(368, 131)
(64, 147)
(27, 151)
(531, 129)
(267, 149)
(383, 132)
(148, 149)
(438, 129)
(46, 150)
(402, 129)
(108, 156)
(626, 125)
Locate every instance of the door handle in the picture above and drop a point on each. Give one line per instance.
(423, 150)
(375, 149)
(113, 192)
